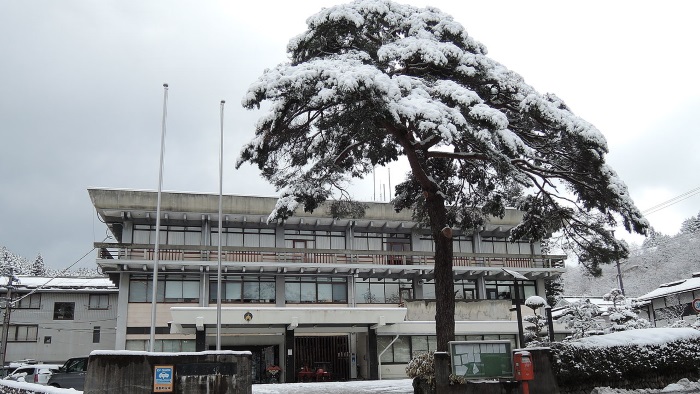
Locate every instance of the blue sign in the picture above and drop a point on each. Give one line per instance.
(163, 378)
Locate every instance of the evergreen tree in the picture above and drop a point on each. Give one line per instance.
(38, 267)
(621, 316)
(554, 290)
(691, 225)
(583, 318)
(373, 80)
(535, 333)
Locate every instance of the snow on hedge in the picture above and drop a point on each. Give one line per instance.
(646, 336)
(627, 355)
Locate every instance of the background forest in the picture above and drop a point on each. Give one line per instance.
(660, 259)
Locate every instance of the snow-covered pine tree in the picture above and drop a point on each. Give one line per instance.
(621, 315)
(535, 332)
(38, 267)
(374, 80)
(582, 317)
(691, 225)
(10, 262)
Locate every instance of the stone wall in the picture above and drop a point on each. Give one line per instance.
(204, 372)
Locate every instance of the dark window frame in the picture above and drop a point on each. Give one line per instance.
(64, 311)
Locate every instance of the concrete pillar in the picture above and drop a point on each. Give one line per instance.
(201, 340)
(288, 356)
(442, 372)
(122, 309)
(353, 355)
(480, 287)
(373, 355)
(279, 291)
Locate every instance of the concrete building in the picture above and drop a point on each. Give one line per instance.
(354, 295)
(54, 319)
(673, 301)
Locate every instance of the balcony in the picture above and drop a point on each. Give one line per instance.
(286, 256)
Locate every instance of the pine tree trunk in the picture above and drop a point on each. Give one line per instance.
(444, 278)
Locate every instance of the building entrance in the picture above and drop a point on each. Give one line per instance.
(263, 358)
(322, 358)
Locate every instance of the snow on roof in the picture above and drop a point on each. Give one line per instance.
(75, 282)
(676, 287)
(143, 353)
(644, 336)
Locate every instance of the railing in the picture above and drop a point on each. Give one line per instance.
(319, 256)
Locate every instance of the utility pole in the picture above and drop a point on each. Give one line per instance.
(619, 278)
(6, 317)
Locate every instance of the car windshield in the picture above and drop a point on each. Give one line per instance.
(76, 365)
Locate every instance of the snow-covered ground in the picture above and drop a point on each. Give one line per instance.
(402, 386)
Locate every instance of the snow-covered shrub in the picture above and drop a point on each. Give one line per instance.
(621, 316)
(535, 334)
(574, 362)
(582, 318)
(422, 367)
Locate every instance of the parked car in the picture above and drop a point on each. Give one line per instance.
(71, 374)
(37, 373)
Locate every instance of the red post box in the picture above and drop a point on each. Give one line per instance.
(522, 362)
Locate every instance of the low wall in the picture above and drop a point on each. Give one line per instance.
(197, 372)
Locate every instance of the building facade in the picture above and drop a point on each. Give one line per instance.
(355, 296)
(673, 301)
(54, 319)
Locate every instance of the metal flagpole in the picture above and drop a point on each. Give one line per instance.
(154, 294)
(221, 194)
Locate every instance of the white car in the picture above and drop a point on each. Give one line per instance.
(37, 373)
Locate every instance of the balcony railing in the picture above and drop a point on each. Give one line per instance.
(319, 256)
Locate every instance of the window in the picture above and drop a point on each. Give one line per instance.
(503, 289)
(465, 290)
(314, 239)
(99, 301)
(311, 289)
(31, 301)
(22, 333)
(162, 345)
(378, 291)
(96, 334)
(244, 289)
(171, 288)
(425, 343)
(169, 235)
(63, 310)
(249, 237)
(47, 340)
(398, 352)
(383, 241)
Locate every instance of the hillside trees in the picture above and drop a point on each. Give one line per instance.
(371, 81)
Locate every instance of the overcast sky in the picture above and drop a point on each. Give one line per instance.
(81, 97)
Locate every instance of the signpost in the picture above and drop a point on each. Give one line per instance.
(696, 305)
(163, 376)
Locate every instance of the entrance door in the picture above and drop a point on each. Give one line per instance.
(322, 358)
(263, 357)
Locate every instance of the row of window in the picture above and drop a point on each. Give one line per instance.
(30, 333)
(162, 345)
(317, 239)
(312, 289)
(404, 348)
(33, 301)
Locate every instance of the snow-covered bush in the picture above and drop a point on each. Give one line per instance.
(582, 317)
(535, 334)
(575, 361)
(621, 316)
(422, 367)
